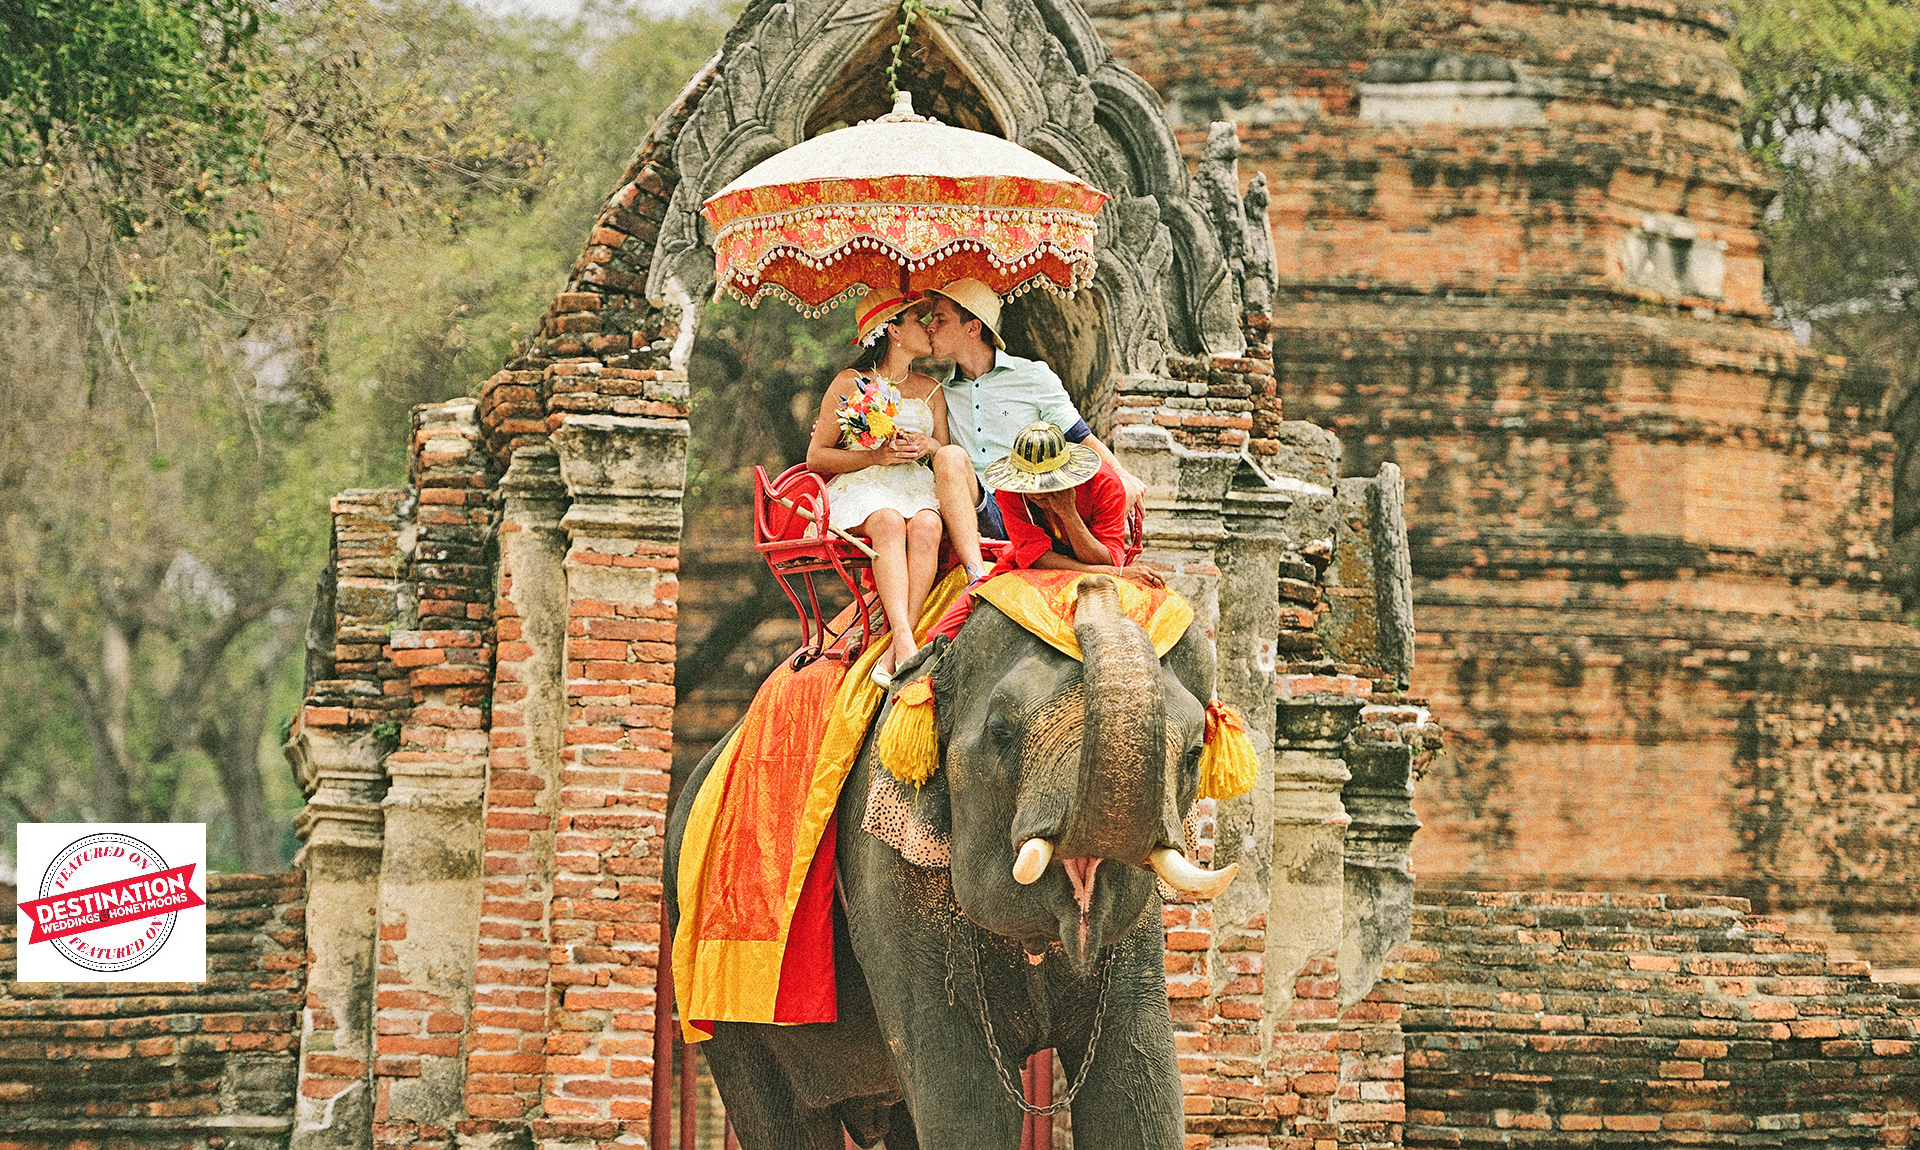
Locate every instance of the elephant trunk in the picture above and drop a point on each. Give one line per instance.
(1122, 804)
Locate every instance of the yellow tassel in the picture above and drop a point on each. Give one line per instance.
(909, 745)
(1227, 765)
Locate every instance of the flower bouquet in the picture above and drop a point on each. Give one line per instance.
(866, 416)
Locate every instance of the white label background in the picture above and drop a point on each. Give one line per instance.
(181, 955)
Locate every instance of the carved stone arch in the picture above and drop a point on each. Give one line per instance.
(1045, 80)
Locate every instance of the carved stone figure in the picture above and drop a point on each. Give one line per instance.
(1257, 266)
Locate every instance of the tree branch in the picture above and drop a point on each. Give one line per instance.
(112, 773)
(734, 626)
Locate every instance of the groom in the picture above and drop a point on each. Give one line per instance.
(991, 396)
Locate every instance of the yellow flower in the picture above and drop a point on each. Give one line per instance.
(880, 424)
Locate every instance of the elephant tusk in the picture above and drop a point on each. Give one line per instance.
(1174, 869)
(1034, 856)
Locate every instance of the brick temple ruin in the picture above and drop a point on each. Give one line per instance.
(1507, 248)
(1516, 253)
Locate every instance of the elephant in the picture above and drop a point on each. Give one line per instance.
(1062, 784)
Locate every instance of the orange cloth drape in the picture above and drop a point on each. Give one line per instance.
(755, 941)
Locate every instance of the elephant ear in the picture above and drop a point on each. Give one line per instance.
(917, 821)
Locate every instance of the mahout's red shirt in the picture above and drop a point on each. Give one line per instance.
(1102, 503)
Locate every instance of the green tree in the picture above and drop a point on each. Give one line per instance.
(172, 422)
(1833, 111)
(127, 83)
(1833, 105)
(240, 243)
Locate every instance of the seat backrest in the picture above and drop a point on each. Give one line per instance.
(776, 522)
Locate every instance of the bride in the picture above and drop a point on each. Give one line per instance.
(886, 492)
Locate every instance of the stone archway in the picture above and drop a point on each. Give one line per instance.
(486, 743)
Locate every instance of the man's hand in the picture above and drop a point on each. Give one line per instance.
(1135, 486)
(1058, 506)
(907, 447)
(1142, 574)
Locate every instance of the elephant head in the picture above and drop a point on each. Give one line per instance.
(1067, 779)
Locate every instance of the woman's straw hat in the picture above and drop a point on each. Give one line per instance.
(1042, 460)
(877, 307)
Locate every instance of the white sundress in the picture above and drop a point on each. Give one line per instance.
(905, 487)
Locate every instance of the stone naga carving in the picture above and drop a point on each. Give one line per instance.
(1246, 235)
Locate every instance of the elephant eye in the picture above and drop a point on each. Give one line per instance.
(1002, 726)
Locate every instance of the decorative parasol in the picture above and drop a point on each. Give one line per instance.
(871, 205)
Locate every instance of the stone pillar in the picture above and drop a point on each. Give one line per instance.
(1184, 527)
(624, 474)
(1304, 913)
(338, 749)
(342, 826)
(1378, 886)
(507, 1032)
(430, 873)
(1245, 650)
(429, 903)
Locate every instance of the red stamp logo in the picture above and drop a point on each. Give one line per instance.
(108, 901)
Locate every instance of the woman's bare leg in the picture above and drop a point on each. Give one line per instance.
(887, 532)
(923, 560)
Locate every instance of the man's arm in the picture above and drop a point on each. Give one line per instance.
(1136, 487)
(1062, 512)
(1095, 541)
(1058, 407)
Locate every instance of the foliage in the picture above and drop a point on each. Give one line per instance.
(910, 11)
(219, 310)
(1833, 104)
(1848, 70)
(183, 97)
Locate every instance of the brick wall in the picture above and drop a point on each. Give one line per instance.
(1209, 403)
(203, 1065)
(1651, 537)
(1646, 1020)
(1315, 1078)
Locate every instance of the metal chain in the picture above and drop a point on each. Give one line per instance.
(950, 962)
(993, 1048)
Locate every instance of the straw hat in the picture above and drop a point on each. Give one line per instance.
(877, 307)
(1042, 460)
(979, 299)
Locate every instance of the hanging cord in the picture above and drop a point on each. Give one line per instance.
(993, 1047)
(910, 10)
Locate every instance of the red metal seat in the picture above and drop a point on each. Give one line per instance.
(1135, 537)
(790, 529)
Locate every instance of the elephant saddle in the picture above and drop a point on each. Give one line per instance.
(755, 938)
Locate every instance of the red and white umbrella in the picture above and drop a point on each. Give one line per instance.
(902, 201)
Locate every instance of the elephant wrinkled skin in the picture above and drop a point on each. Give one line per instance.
(1099, 759)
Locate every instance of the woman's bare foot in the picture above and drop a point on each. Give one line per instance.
(897, 655)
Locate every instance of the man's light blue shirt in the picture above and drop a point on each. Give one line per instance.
(984, 414)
